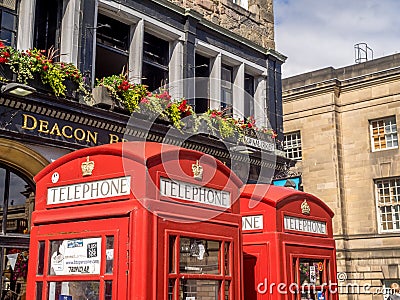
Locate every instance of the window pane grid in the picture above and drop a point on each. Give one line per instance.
(292, 145)
(384, 134)
(388, 201)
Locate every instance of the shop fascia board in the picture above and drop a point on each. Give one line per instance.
(82, 110)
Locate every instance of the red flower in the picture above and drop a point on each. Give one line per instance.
(2, 45)
(183, 106)
(45, 67)
(3, 60)
(164, 96)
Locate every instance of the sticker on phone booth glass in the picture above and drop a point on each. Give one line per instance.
(75, 257)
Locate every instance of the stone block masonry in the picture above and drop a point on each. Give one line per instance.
(255, 23)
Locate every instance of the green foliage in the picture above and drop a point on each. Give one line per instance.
(136, 97)
(129, 94)
(34, 62)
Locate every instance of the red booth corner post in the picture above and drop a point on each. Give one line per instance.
(136, 221)
(288, 245)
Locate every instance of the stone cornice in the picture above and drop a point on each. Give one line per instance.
(315, 89)
(339, 86)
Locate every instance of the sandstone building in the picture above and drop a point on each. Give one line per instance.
(341, 126)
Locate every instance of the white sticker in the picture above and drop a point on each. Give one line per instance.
(313, 277)
(55, 177)
(77, 257)
(109, 254)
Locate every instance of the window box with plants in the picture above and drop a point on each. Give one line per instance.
(117, 93)
(38, 68)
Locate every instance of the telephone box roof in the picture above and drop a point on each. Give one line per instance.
(277, 196)
(145, 152)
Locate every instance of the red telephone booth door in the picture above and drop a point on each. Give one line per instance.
(81, 260)
(255, 266)
(202, 263)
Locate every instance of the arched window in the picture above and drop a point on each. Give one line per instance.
(16, 201)
(16, 206)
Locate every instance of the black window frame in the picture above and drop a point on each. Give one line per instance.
(13, 42)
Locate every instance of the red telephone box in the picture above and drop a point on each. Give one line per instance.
(288, 246)
(136, 221)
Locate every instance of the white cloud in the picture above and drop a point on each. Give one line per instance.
(319, 33)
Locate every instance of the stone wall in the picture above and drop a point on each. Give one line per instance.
(332, 114)
(255, 24)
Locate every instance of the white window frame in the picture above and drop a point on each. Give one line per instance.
(242, 3)
(240, 66)
(390, 201)
(389, 134)
(141, 23)
(293, 146)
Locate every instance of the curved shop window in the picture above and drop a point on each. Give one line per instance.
(16, 206)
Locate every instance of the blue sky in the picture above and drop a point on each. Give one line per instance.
(315, 34)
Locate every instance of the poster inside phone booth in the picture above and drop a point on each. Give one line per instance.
(288, 245)
(136, 221)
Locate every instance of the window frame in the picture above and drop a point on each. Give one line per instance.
(250, 89)
(174, 276)
(227, 88)
(241, 66)
(14, 31)
(388, 204)
(242, 3)
(387, 121)
(8, 171)
(95, 229)
(141, 23)
(326, 275)
(294, 149)
(159, 66)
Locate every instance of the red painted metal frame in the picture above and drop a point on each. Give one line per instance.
(93, 228)
(142, 219)
(274, 248)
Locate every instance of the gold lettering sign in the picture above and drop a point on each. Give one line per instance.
(43, 126)
(51, 128)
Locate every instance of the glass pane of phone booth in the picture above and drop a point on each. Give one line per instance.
(311, 276)
(203, 271)
(75, 266)
(75, 289)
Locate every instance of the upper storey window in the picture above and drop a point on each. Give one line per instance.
(202, 87)
(249, 96)
(155, 61)
(242, 3)
(384, 134)
(292, 145)
(8, 22)
(227, 89)
(388, 203)
(47, 21)
(112, 46)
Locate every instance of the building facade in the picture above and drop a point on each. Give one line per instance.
(340, 125)
(156, 43)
